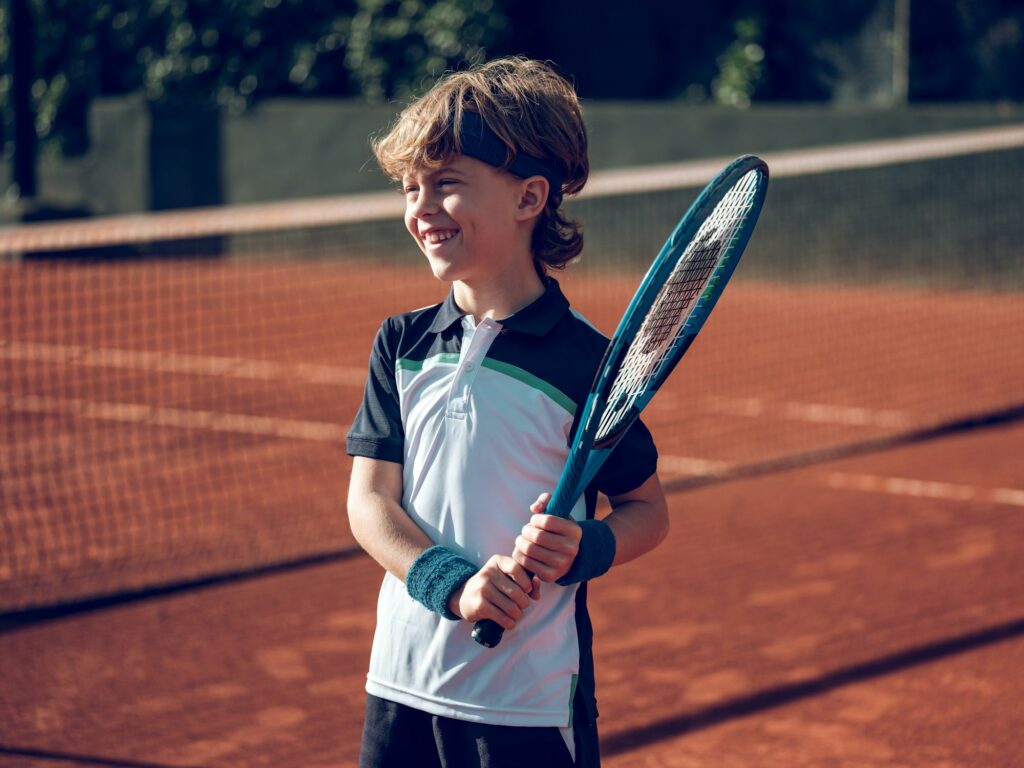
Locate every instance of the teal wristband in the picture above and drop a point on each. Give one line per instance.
(596, 553)
(435, 576)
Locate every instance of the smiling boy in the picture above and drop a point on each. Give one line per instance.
(465, 424)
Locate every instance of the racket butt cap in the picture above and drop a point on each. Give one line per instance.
(487, 633)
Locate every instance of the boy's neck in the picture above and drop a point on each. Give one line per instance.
(499, 298)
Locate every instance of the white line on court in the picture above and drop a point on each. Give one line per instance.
(690, 465)
(819, 413)
(927, 489)
(349, 376)
(130, 413)
(172, 362)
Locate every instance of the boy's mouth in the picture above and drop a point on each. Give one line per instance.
(438, 236)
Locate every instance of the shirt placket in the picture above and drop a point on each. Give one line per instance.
(475, 343)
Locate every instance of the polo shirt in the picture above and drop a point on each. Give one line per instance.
(480, 416)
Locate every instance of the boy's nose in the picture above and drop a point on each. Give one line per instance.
(425, 204)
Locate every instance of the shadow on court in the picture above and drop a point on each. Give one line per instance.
(799, 625)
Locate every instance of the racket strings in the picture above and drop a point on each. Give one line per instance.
(677, 300)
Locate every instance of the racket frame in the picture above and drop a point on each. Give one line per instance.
(586, 454)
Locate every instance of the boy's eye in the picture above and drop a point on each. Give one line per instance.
(447, 182)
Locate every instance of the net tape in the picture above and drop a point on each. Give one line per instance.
(381, 206)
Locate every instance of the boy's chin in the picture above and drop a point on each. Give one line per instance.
(443, 271)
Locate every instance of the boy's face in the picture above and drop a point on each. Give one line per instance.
(464, 218)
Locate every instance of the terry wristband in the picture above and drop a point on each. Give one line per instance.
(596, 553)
(435, 576)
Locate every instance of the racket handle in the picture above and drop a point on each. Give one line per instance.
(488, 633)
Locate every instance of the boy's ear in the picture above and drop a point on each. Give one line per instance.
(533, 196)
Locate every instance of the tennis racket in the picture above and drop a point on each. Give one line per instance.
(665, 315)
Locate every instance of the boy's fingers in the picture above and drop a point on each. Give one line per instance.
(533, 541)
(564, 526)
(542, 570)
(500, 617)
(535, 551)
(535, 590)
(514, 571)
(540, 504)
(510, 592)
(507, 604)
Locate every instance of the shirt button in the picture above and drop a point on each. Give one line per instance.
(469, 366)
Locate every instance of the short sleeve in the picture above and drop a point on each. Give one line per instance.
(633, 460)
(377, 431)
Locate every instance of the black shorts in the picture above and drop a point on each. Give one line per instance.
(397, 736)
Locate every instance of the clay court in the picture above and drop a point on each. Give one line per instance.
(841, 586)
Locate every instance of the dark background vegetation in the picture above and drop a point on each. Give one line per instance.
(233, 53)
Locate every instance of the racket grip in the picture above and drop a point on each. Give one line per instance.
(488, 633)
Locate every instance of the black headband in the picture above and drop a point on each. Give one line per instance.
(479, 141)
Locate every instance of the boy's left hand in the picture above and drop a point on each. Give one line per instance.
(548, 545)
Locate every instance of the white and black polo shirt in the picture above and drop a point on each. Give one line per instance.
(480, 418)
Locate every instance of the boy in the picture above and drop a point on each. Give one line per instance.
(466, 419)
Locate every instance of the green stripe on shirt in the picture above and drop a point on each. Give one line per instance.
(535, 382)
(512, 371)
(445, 358)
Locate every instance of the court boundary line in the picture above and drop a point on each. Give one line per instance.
(144, 414)
(922, 489)
(986, 420)
(12, 621)
(181, 363)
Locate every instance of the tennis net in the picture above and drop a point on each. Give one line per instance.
(176, 387)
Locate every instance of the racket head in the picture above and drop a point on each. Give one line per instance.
(674, 300)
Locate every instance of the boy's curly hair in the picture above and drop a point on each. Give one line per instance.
(531, 109)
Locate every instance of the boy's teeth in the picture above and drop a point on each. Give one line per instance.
(439, 237)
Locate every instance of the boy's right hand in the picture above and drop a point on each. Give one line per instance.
(499, 591)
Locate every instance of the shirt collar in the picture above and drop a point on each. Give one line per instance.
(536, 319)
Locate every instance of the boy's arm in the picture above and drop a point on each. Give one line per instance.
(500, 590)
(377, 519)
(548, 545)
(639, 520)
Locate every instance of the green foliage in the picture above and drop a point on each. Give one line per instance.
(396, 46)
(740, 66)
(229, 52)
(234, 52)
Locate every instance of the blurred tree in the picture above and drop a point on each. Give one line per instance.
(229, 52)
(961, 50)
(615, 50)
(802, 44)
(740, 66)
(398, 46)
(234, 52)
(732, 50)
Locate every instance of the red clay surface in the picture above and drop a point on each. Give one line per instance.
(864, 612)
